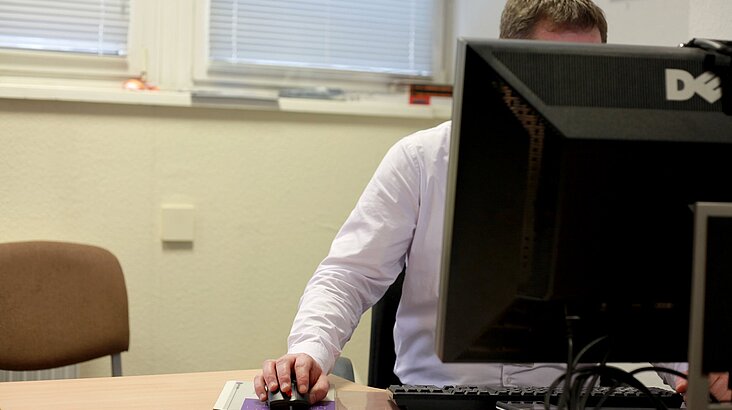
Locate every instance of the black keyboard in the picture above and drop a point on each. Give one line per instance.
(409, 397)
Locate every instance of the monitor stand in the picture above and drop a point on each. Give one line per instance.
(712, 240)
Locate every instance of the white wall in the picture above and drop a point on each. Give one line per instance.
(647, 22)
(666, 22)
(270, 191)
(477, 18)
(711, 19)
(643, 22)
(473, 19)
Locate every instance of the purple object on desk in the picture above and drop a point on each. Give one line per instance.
(254, 404)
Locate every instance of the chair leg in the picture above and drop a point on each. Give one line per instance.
(116, 364)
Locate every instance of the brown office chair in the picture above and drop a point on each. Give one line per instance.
(60, 304)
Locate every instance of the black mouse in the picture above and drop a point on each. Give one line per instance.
(280, 401)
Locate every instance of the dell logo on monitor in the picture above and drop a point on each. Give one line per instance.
(681, 86)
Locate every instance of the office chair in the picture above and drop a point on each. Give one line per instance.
(381, 351)
(60, 304)
(343, 367)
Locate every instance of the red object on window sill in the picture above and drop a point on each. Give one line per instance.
(422, 93)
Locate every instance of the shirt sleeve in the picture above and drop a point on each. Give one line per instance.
(669, 378)
(365, 257)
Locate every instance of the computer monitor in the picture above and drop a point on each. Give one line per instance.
(572, 176)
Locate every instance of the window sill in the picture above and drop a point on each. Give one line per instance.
(369, 108)
(393, 106)
(373, 105)
(94, 94)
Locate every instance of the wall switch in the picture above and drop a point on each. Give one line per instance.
(177, 222)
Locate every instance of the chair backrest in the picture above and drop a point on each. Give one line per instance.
(60, 304)
(381, 351)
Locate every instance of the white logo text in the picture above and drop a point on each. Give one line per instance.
(681, 86)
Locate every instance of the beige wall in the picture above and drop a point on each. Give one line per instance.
(270, 191)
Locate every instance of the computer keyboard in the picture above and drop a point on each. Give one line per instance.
(410, 397)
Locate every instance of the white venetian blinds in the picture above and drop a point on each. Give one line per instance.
(377, 36)
(84, 26)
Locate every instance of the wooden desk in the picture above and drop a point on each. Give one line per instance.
(166, 391)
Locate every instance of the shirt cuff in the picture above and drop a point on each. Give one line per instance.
(317, 351)
(668, 378)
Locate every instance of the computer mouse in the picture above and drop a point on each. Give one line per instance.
(278, 400)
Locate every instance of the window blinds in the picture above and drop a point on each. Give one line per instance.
(382, 36)
(85, 26)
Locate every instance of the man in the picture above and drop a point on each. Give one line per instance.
(398, 219)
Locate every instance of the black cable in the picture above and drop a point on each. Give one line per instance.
(587, 348)
(583, 400)
(579, 382)
(710, 45)
(587, 388)
(722, 66)
(565, 399)
(568, 375)
(574, 389)
(619, 376)
(674, 372)
(572, 393)
(622, 377)
(548, 395)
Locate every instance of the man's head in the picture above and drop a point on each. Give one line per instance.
(555, 20)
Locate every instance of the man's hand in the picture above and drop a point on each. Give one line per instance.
(277, 374)
(717, 386)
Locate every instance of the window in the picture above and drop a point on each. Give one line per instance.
(221, 52)
(55, 49)
(82, 26)
(296, 42)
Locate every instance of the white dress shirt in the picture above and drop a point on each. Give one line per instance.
(399, 215)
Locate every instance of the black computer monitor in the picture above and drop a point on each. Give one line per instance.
(573, 171)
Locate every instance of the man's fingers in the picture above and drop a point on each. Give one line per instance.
(319, 389)
(259, 388)
(718, 386)
(304, 372)
(284, 373)
(681, 385)
(269, 374)
(279, 374)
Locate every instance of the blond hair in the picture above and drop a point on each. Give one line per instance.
(520, 17)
